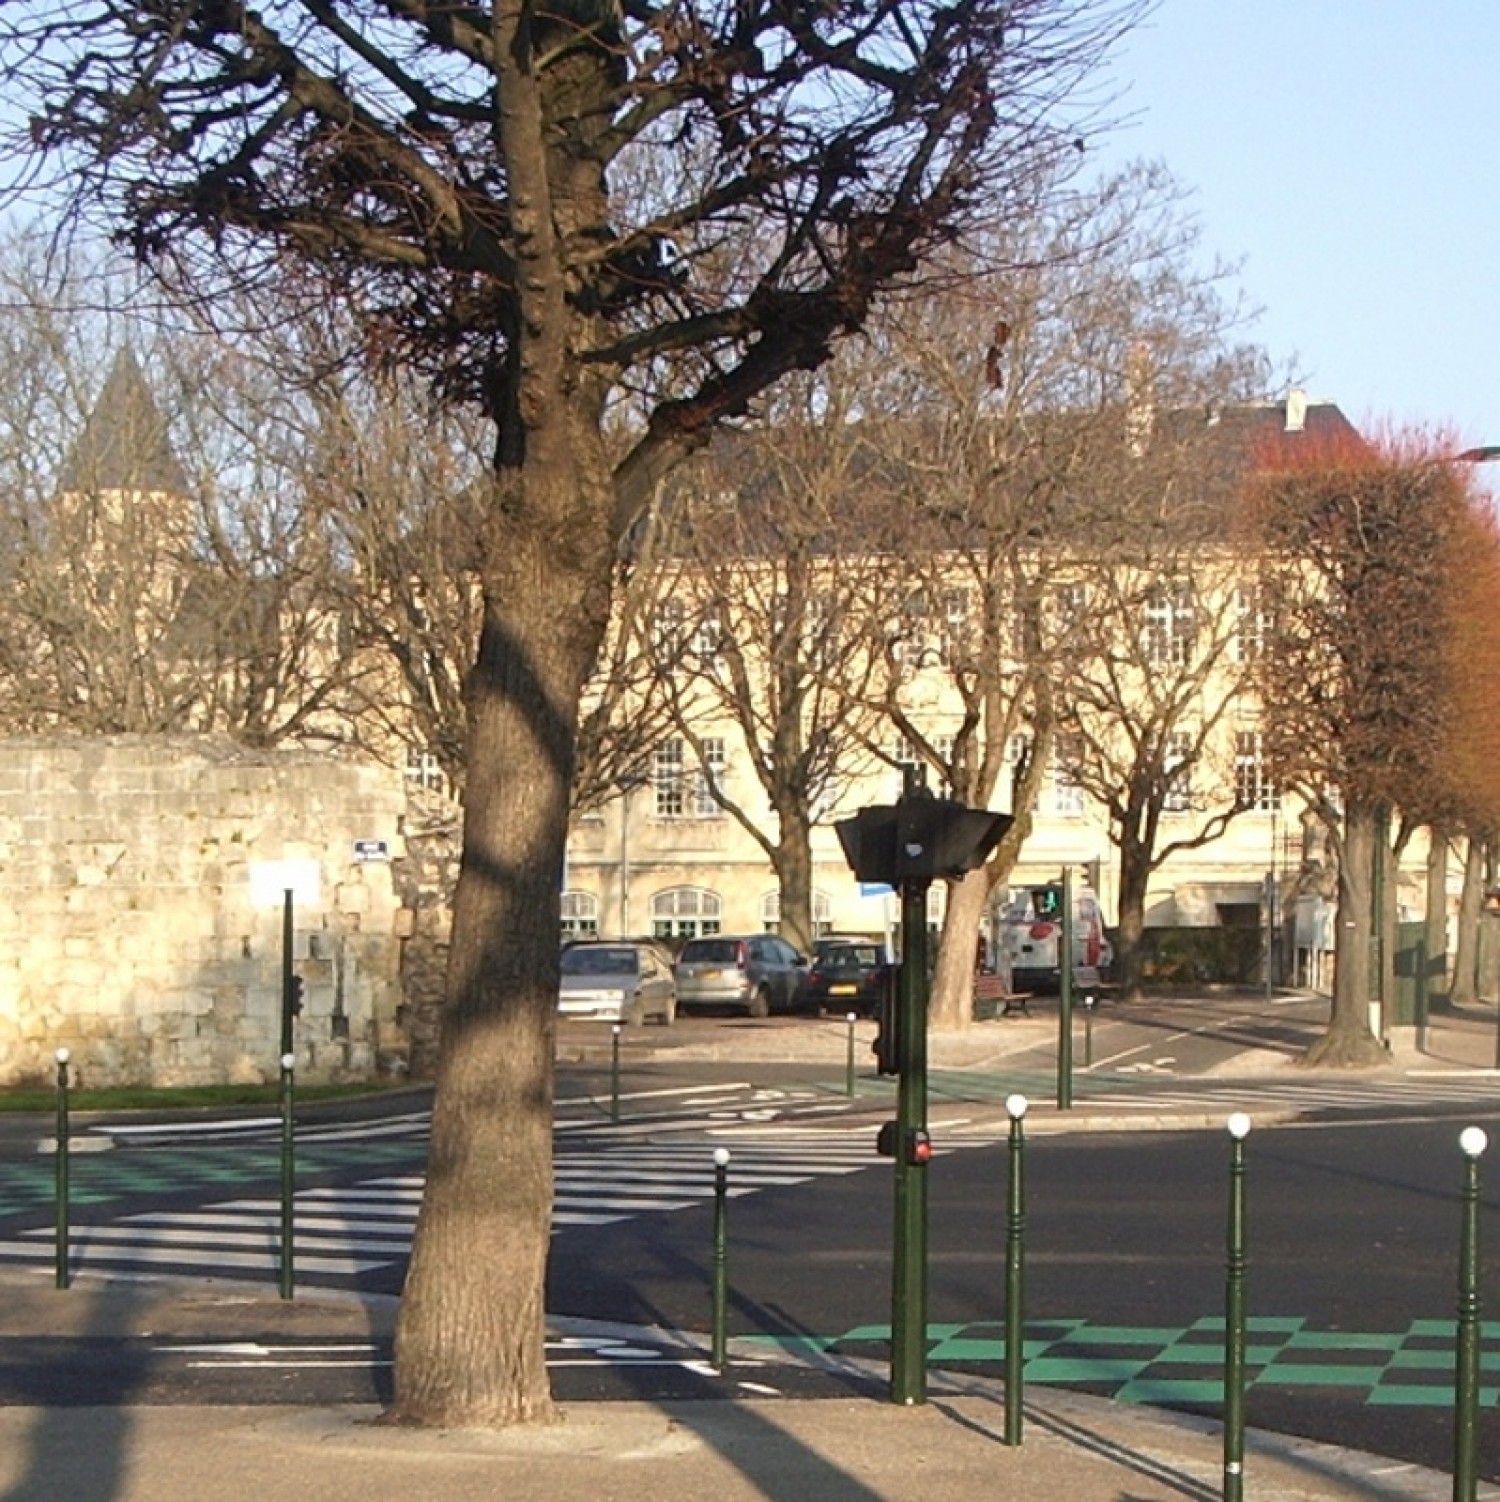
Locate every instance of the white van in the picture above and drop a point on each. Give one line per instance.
(1030, 937)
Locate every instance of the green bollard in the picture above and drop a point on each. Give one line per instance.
(1015, 1274)
(720, 1353)
(1065, 999)
(1088, 1032)
(288, 1176)
(849, 1058)
(1234, 1317)
(1466, 1354)
(614, 1073)
(62, 1057)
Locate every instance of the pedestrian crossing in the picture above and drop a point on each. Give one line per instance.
(356, 1231)
(638, 1111)
(1307, 1096)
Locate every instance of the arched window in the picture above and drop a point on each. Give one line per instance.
(822, 912)
(580, 915)
(685, 913)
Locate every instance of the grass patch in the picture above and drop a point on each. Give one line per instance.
(188, 1098)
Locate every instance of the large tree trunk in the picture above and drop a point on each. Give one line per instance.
(793, 864)
(1134, 875)
(471, 1335)
(1465, 988)
(1435, 920)
(1349, 1041)
(951, 1005)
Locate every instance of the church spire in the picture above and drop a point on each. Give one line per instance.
(123, 446)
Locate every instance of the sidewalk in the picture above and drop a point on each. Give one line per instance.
(746, 1446)
(734, 1450)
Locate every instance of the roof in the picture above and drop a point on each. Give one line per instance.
(124, 444)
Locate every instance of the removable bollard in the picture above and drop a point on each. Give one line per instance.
(62, 1056)
(1473, 1142)
(1088, 1032)
(1234, 1316)
(720, 1338)
(849, 1058)
(288, 1177)
(1015, 1274)
(614, 1073)
(1065, 999)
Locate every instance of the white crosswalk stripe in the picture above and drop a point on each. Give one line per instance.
(342, 1232)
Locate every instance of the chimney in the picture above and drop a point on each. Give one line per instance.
(1140, 398)
(1296, 410)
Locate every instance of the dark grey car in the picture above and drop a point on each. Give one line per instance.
(760, 973)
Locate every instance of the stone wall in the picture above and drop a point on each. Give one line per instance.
(134, 924)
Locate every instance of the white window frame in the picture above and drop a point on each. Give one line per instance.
(686, 913)
(1177, 766)
(1169, 628)
(1067, 786)
(580, 915)
(1253, 788)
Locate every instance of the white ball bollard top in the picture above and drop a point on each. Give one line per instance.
(1473, 1141)
(1239, 1126)
(849, 1018)
(62, 1056)
(1015, 1106)
(721, 1157)
(289, 1061)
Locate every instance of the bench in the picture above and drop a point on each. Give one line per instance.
(993, 998)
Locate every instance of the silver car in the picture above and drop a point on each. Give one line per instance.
(617, 981)
(761, 973)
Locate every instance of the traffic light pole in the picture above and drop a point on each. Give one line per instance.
(909, 1265)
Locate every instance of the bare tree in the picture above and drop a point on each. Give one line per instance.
(759, 628)
(1036, 467)
(448, 173)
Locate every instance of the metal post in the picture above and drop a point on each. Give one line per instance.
(614, 1073)
(288, 981)
(1015, 1275)
(849, 1058)
(1234, 1317)
(1088, 1032)
(288, 1176)
(909, 1264)
(62, 1056)
(720, 1353)
(1065, 999)
(1466, 1344)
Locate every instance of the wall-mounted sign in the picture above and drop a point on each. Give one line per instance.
(270, 881)
(371, 850)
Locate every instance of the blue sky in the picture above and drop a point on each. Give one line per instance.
(1347, 152)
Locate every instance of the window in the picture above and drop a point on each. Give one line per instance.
(822, 913)
(681, 794)
(1253, 787)
(670, 630)
(580, 915)
(1067, 765)
(1070, 604)
(705, 805)
(1252, 623)
(1170, 625)
(423, 771)
(666, 779)
(685, 913)
(1177, 767)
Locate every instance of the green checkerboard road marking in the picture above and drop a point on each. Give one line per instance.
(1184, 1364)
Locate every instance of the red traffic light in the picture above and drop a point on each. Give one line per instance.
(919, 1147)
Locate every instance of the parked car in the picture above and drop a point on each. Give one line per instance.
(761, 973)
(846, 975)
(617, 980)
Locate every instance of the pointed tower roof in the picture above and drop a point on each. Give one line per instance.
(123, 446)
